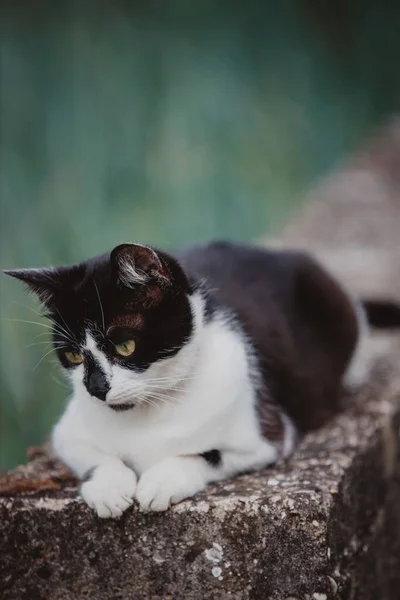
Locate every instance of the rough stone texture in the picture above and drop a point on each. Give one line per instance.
(324, 525)
(304, 528)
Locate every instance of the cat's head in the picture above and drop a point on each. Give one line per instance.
(122, 323)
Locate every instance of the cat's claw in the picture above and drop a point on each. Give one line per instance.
(110, 490)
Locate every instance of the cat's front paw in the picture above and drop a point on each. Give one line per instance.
(110, 490)
(170, 481)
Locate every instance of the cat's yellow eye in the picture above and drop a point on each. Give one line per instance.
(126, 348)
(74, 357)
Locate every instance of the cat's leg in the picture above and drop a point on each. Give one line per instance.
(110, 489)
(359, 367)
(108, 485)
(176, 478)
(172, 480)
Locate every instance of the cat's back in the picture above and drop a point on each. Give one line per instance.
(242, 276)
(298, 318)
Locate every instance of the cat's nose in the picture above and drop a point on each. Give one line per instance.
(97, 385)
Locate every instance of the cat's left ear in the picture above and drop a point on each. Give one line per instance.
(42, 282)
(139, 265)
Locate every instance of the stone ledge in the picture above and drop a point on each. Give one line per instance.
(301, 529)
(324, 525)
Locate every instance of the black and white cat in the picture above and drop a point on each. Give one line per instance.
(191, 369)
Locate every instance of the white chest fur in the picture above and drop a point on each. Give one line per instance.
(214, 410)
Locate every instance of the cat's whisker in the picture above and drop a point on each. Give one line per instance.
(54, 378)
(59, 330)
(149, 402)
(92, 326)
(44, 356)
(66, 329)
(65, 337)
(159, 400)
(165, 399)
(62, 331)
(25, 321)
(30, 308)
(101, 306)
(49, 327)
(145, 400)
(143, 396)
(42, 334)
(164, 391)
(164, 381)
(48, 342)
(167, 389)
(170, 378)
(57, 327)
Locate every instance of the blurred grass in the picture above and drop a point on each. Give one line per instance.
(168, 124)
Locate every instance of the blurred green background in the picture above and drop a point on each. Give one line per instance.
(168, 123)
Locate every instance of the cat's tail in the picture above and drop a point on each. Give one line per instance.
(382, 314)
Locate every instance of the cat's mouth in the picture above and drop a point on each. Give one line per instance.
(122, 406)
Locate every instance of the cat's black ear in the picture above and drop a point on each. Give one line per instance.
(136, 264)
(42, 282)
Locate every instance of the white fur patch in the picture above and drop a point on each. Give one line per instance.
(360, 365)
(290, 436)
(91, 346)
(129, 275)
(110, 490)
(170, 481)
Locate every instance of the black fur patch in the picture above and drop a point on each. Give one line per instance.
(382, 314)
(300, 323)
(94, 379)
(213, 457)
